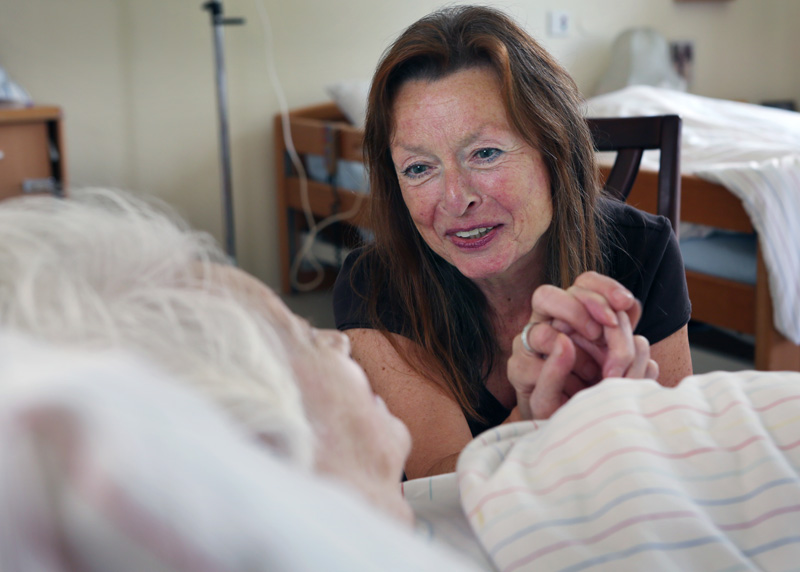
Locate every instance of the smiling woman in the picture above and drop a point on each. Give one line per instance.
(488, 216)
(477, 192)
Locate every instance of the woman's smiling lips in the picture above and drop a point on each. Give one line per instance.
(475, 237)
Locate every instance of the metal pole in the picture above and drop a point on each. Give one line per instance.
(217, 22)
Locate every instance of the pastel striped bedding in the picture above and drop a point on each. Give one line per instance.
(632, 476)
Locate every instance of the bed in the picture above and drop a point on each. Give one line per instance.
(110, 463)
(329, 145)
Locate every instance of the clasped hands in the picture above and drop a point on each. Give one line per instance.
(577, 337)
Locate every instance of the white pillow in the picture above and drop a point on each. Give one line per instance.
(126, 469)
(351, 98)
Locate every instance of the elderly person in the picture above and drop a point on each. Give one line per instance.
(162, 410)
(106, 270)
(500, 281)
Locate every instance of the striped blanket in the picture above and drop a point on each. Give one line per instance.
(754, 152)
(632, 476)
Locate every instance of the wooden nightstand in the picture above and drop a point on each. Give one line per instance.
(31, 151)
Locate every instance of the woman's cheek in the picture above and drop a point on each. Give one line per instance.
(421, 204)
(502, 186)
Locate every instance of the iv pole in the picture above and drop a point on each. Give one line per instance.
(217, 22)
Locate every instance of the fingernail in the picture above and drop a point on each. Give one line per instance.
(611, 316)
(593, 329)
(562, 327)
(622, 296)
(615, 372)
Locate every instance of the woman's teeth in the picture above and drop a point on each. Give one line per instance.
(475, 232)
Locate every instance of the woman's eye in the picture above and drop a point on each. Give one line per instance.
(415, 171)
(487, 154)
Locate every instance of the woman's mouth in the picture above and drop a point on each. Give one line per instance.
(474, 233)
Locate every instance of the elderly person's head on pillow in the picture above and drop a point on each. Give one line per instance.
(105, 270)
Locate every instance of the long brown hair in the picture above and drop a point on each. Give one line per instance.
(447, 315)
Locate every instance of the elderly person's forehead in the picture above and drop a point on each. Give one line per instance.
(258, 295)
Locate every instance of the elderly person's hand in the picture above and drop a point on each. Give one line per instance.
(575, 338)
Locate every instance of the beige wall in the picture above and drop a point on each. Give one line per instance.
(73, 54)
(135, 79)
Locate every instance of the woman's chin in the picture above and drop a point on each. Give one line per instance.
(478, 272)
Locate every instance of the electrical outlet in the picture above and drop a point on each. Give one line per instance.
(682, 54)
(558, 24)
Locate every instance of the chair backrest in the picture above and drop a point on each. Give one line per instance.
(630, 137)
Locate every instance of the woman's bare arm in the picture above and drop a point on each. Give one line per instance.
(439, 430)
(673, 357)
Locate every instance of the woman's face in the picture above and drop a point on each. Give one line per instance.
(359, 441)
(477, 192)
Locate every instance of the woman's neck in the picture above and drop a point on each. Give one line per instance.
(509, 295)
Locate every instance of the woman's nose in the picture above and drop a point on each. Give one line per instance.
(459, 194)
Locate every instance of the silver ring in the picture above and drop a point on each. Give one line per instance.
(525, 331)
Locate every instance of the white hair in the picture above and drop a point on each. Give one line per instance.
(109, 270)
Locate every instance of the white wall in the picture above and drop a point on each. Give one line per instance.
(135, 79)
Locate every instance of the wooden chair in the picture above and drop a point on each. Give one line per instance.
(630, 137)
(720, 302)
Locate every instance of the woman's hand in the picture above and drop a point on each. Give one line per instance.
(586, 308)
(575, 338)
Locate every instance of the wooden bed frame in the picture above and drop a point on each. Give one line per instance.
(323, 130)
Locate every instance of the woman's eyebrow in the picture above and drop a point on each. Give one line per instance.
(410, 148)
(465, 141)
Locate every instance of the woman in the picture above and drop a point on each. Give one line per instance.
(489, 222)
